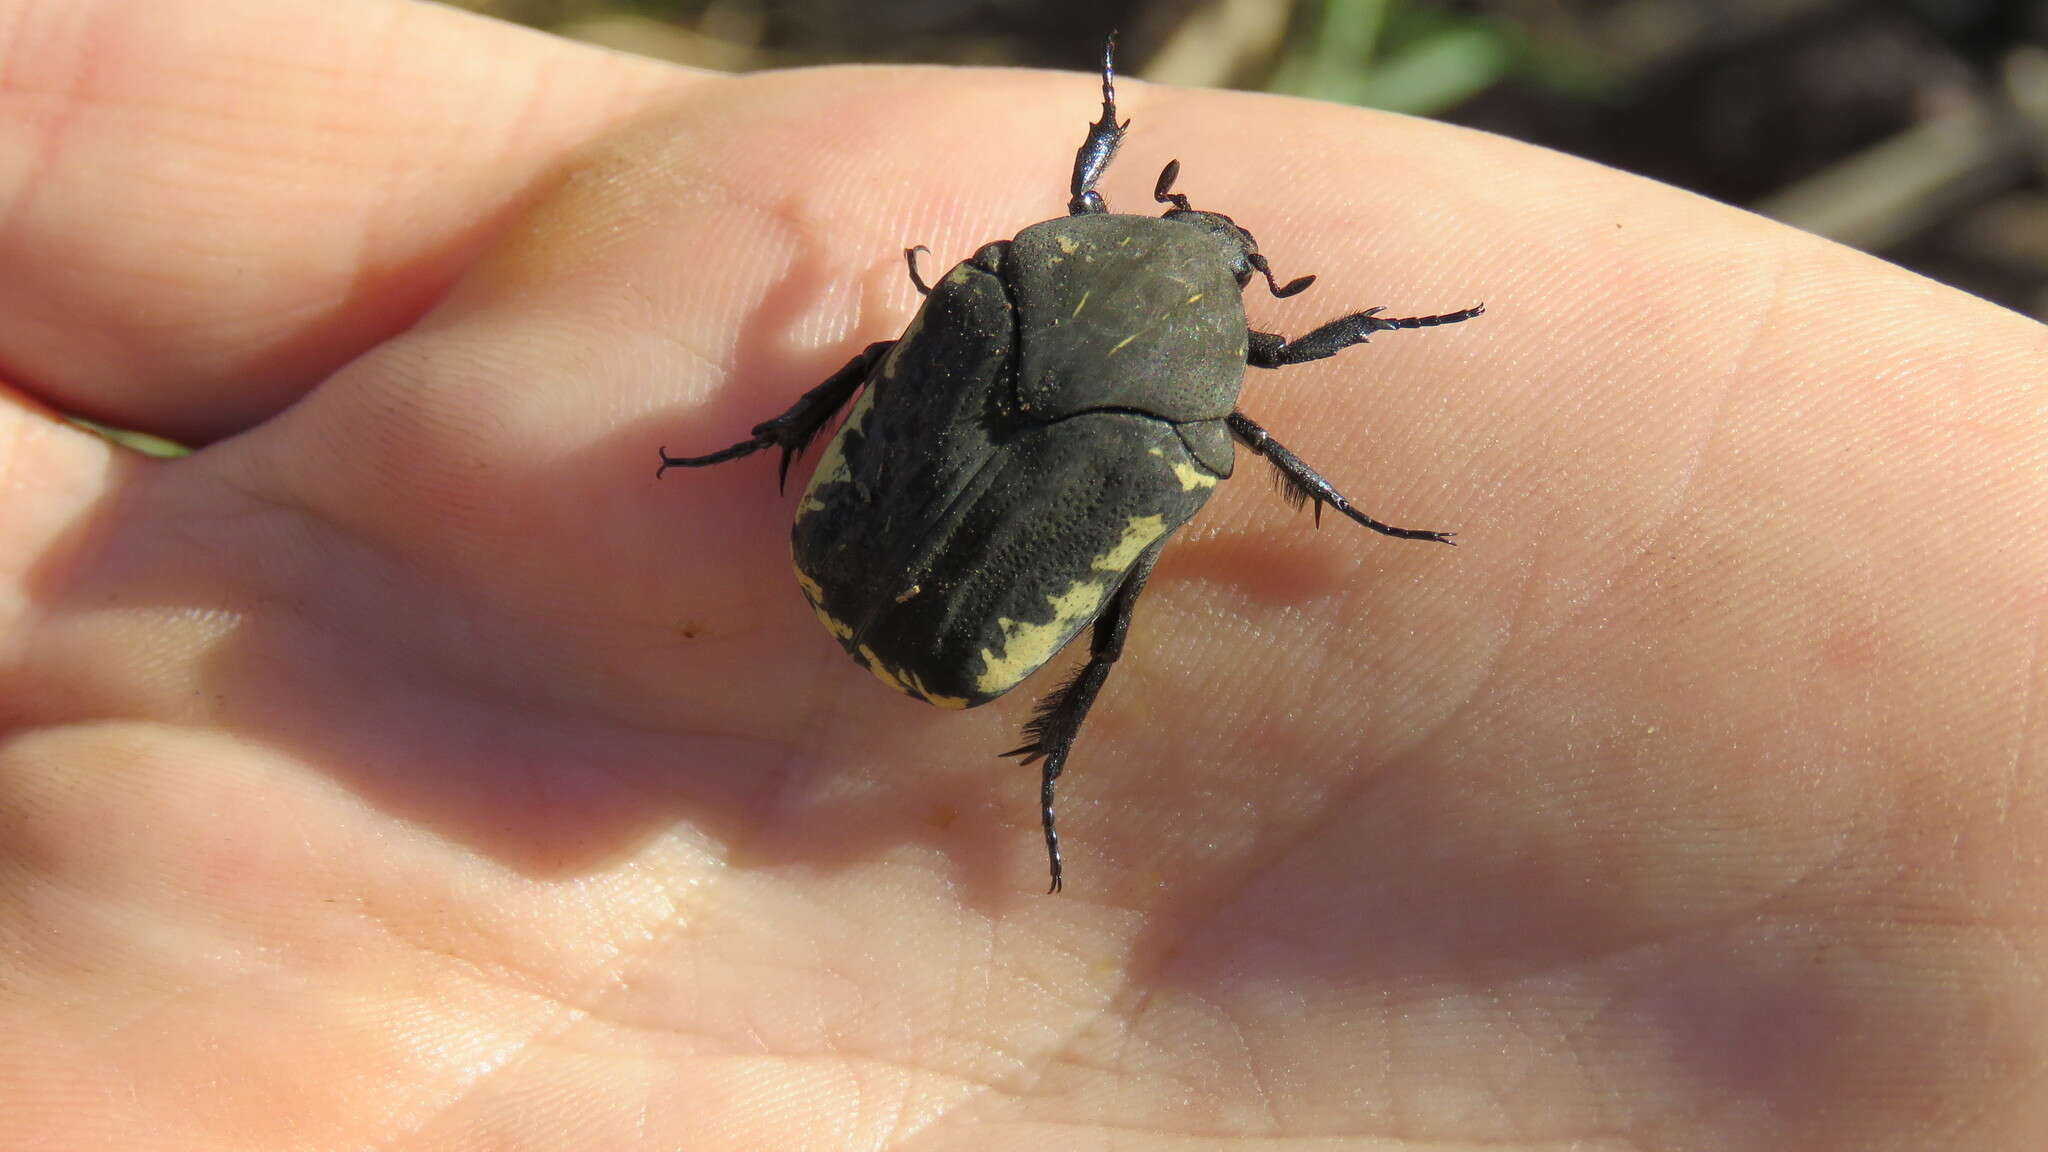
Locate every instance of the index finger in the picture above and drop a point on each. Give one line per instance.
(206, 207)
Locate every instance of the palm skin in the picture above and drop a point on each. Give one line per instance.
(408, 768)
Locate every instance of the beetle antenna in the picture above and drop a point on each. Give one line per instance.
(1163, 192)
(1292, 287)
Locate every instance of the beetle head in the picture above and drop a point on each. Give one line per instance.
(1248, 259)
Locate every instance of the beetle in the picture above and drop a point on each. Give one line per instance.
(1060, 405)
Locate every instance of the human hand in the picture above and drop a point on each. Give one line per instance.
(408, 767)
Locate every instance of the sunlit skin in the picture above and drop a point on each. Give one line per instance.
(409, 769)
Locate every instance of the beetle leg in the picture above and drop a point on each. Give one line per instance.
(916, 281)
(796, 428)
(1092, 159)
(1270, 350)
(1303, 484)
(1057, 720)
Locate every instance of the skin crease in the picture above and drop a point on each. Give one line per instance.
(410, 769)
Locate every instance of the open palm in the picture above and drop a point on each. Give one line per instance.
(410, 768)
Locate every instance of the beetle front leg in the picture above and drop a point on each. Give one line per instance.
(1304, 484)
(1268, 350)
(795, 429)
(1057, 720)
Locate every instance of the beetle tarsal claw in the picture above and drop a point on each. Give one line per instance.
(743, 448)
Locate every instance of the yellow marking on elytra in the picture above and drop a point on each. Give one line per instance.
(934, 698)
(874, 664)
(832, 467)
(1080, 304)
(1191, 477)
(1139, 533)
(960, 273)
(813, 591)
(1028, 646)
(1067, 244)
(908, 683)
(816, 596)
(833, 624)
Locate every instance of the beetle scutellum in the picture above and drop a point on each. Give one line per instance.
(1059, 406)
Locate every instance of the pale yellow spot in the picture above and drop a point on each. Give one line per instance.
(1028, 646)
(813, 591)
(1079, 304)
(816, 595)
(1068, 244)
(960, 273)
(832, 468)
(1192, 477)
(1139, 533)
(908, 683)
(881, 670)
(832, 623)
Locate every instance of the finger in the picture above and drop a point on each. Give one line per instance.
(211, 205)
(51, 477)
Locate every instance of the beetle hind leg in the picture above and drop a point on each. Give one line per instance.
(1057, 720)
(794, 430)
(1304, 484)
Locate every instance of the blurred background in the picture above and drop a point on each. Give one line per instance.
(1914, 129)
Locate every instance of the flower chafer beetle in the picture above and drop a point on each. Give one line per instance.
(1060, 405)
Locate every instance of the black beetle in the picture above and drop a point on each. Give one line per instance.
(1059, 406)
